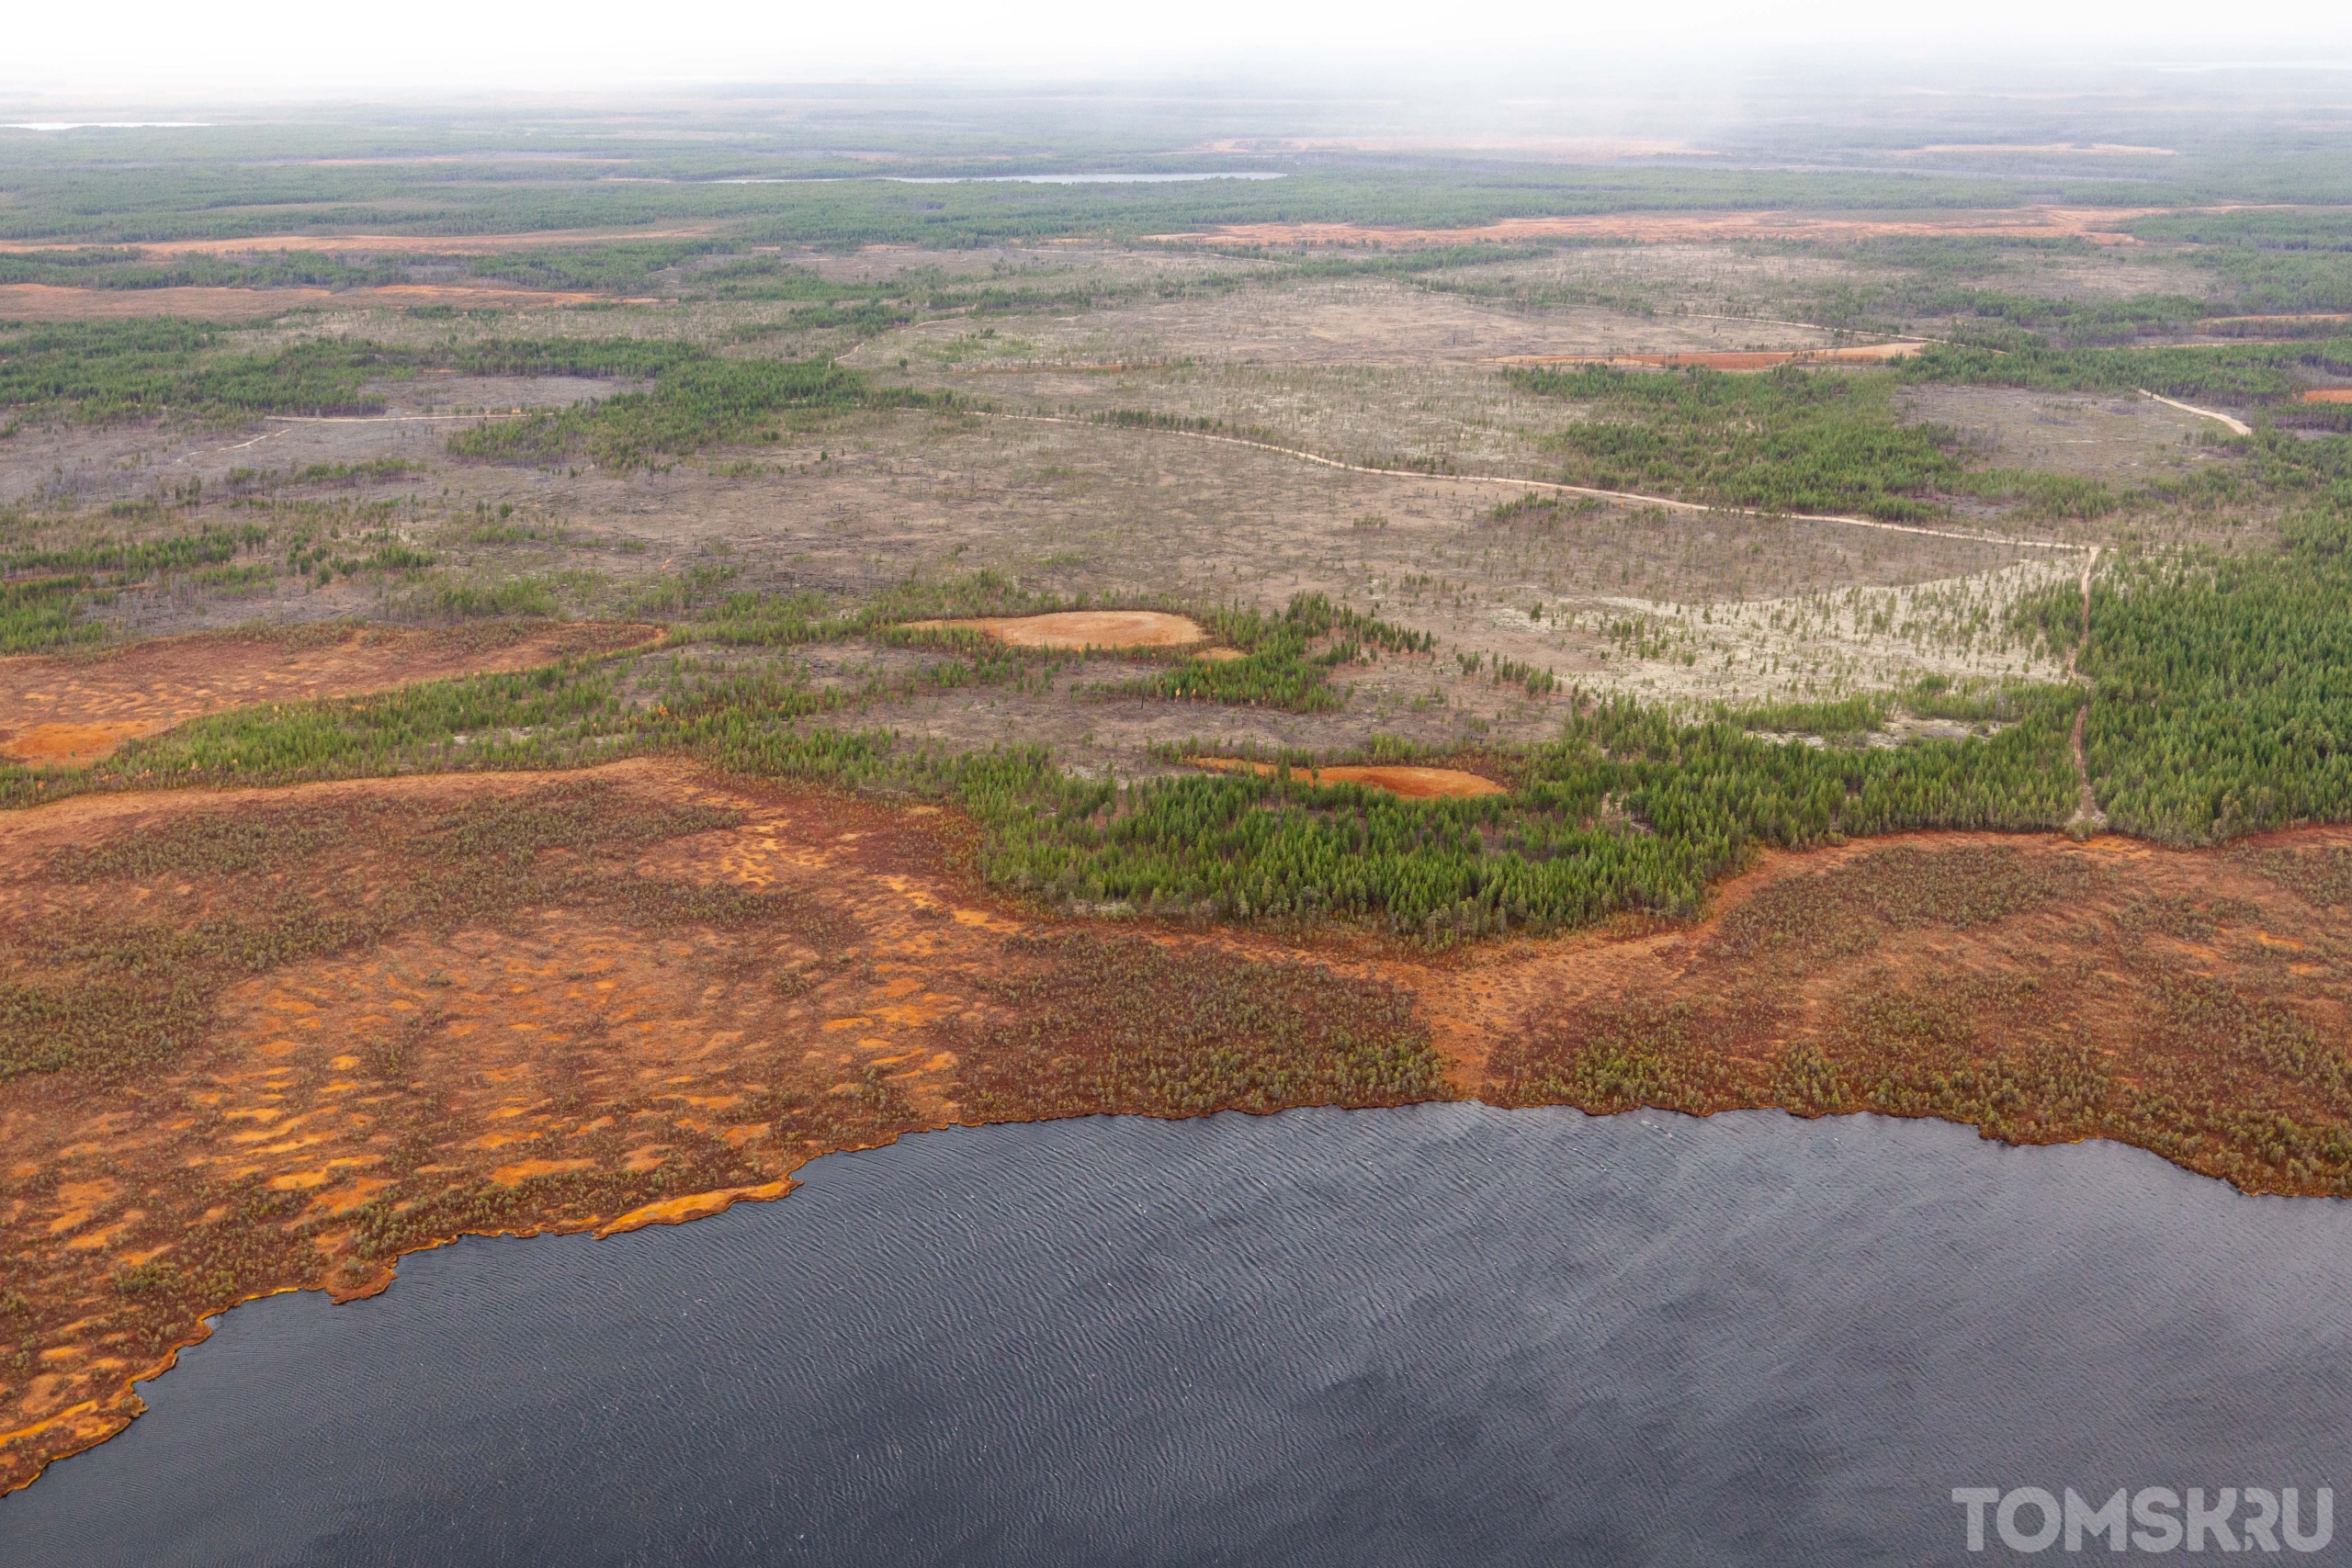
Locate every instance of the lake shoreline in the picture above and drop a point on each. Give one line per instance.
(1814, 985)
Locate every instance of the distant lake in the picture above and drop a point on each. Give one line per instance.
(110, 125)
(1448, 1335)
(1006, 179)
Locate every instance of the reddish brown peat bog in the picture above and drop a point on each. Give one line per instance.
(2098, 225)
(271, 1039)
(76, 708)
(53, 302)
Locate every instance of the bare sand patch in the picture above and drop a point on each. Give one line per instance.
(47, 302)
(72, 743)
(2328, 395)
(70, 710)
(1081, 628)
(1412, 782)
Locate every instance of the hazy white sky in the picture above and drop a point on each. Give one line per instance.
(143, 48)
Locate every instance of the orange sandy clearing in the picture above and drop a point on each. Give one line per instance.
(371, 245)
(1413, 783)
(72, 710)
(45, 302)
(2328, 395)
(675, 989)
(1081, 628)
(1757, 359)
(2096, 224)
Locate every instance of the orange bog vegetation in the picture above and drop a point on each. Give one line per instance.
(76, 708)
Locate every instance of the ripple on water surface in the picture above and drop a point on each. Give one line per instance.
(1443, 1335)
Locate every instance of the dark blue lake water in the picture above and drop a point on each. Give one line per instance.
(1448, 1335)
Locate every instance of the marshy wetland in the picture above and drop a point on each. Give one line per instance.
(694, 687)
